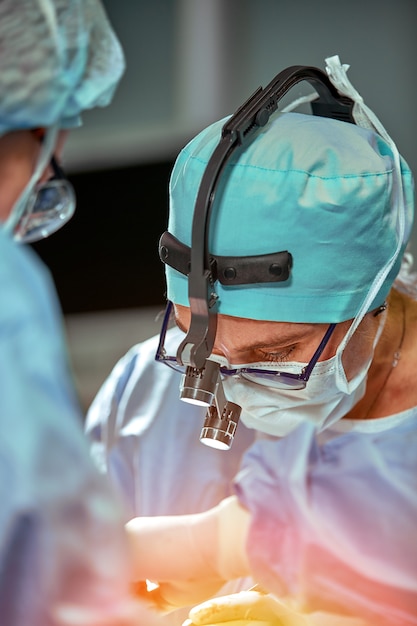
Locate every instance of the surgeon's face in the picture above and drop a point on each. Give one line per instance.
(242, 340)
(19, 153)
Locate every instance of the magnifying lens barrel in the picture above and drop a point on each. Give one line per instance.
(199, 386)
(204, 387)
(219, 429)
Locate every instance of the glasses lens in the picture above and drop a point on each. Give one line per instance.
(278, 380)
(52, 206)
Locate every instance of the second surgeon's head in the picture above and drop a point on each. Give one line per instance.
(58, 58)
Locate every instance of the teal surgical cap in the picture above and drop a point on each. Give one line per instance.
(57, 58)
(320, 188)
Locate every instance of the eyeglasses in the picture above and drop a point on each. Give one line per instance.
(50, 206)
(279, 378)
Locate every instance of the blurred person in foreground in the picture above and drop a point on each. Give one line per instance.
(313, 336)
(63, 553)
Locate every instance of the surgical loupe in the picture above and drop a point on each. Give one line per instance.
(201, 383)
(204, 387)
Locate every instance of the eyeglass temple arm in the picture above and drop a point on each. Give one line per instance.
(307, 371)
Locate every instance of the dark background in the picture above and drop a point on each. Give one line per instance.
(106, 257)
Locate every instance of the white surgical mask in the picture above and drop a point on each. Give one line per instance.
(277, 411)
(327, 398)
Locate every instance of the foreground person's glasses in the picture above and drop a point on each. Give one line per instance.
(50, 206)
(279, 378)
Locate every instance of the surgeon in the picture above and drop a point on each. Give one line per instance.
(63, 552)
(295, 323)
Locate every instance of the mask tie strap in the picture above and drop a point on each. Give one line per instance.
(366, 118)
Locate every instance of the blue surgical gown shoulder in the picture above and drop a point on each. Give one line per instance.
(53, 500)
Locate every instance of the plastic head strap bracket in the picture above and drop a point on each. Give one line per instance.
(228, 270)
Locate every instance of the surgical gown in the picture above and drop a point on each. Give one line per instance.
(61, 531)
(333, 515)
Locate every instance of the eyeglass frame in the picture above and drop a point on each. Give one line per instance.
(302, 378)
(58, 174)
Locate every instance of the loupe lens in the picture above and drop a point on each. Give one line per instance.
(204, 387)
(199, 386)
(219, 431)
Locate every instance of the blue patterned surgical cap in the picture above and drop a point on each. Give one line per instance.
(57, 58)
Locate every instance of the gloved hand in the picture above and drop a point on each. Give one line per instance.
(189, 557)
(256, 608)
(247, 608)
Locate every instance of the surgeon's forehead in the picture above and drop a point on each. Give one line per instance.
(253, 332)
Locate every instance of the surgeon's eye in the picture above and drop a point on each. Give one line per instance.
(276, 357)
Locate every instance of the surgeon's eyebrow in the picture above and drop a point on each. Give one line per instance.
(281, 339)
(277, 342)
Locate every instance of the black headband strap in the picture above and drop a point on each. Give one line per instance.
(228, 270)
